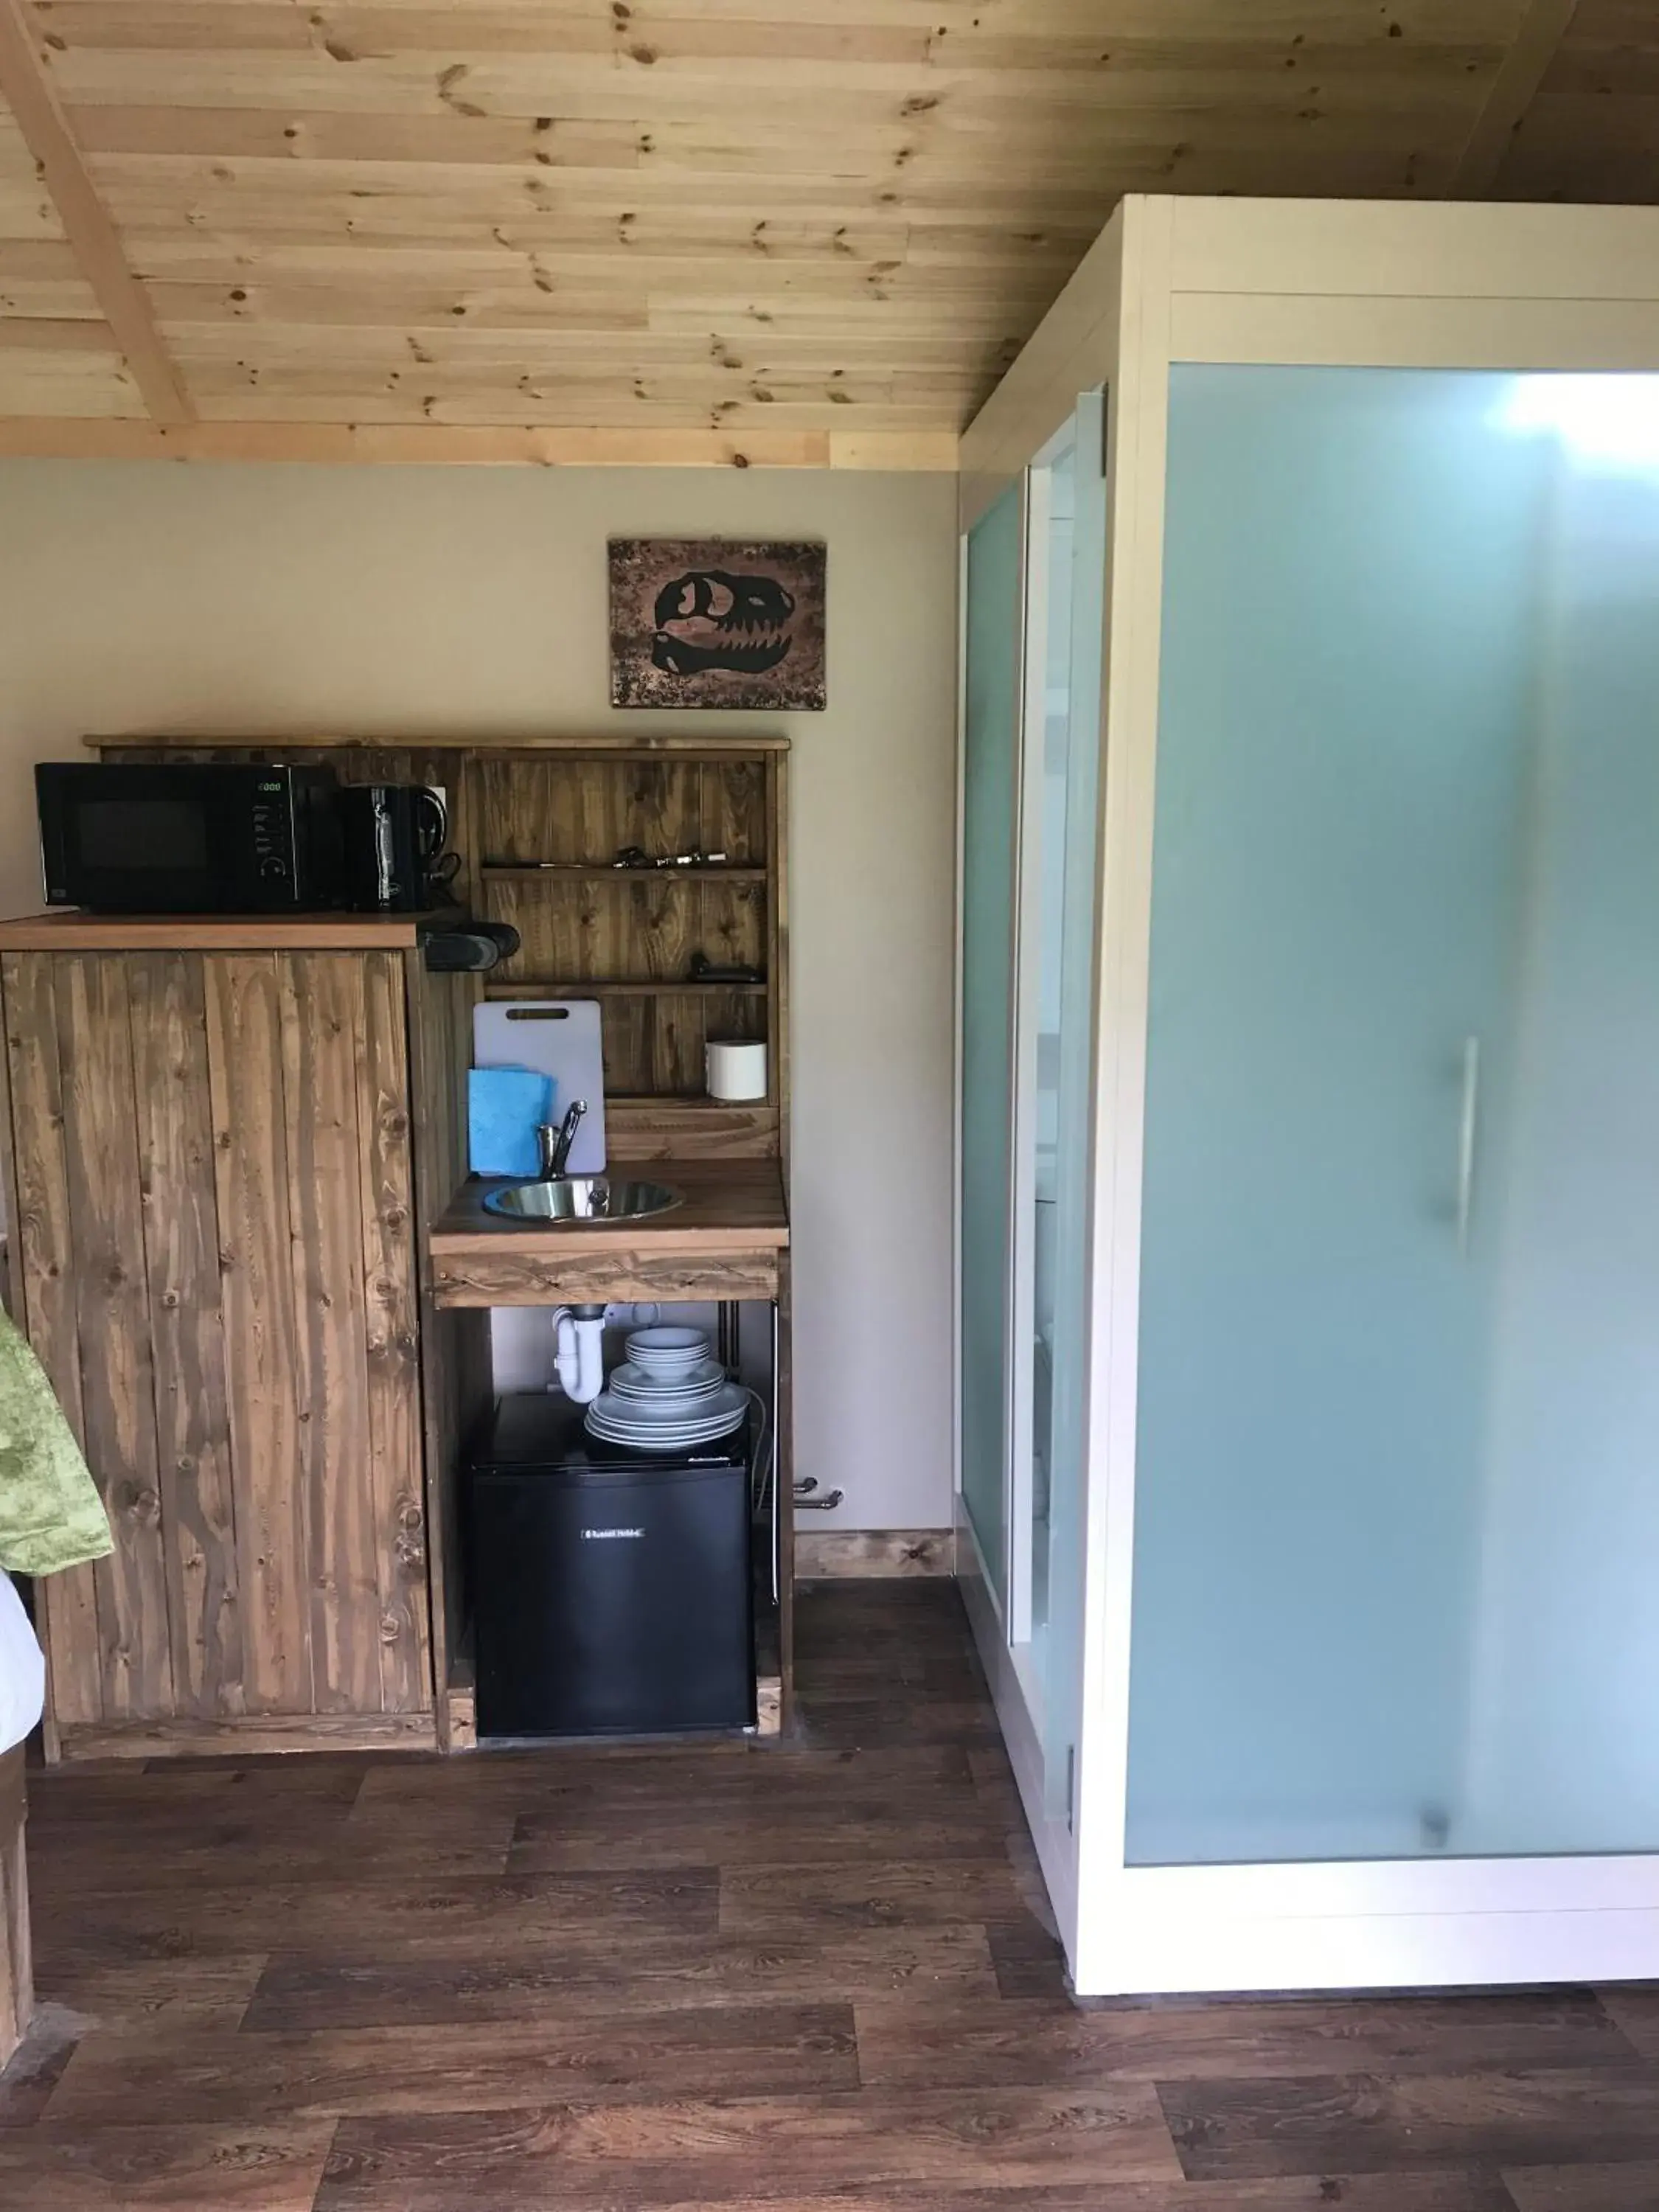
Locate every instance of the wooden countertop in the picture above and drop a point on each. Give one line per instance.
(729, 1205)
(476, 746)
(67, 930)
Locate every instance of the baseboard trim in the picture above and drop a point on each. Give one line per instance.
(822, 1554)
(254, 1735)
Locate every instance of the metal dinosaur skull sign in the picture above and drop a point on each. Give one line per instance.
(709, 623)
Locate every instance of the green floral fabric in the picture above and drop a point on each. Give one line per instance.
(50, 1514)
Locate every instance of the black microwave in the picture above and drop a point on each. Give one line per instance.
(217, 837)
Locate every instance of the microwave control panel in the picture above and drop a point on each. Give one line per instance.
(273, 834)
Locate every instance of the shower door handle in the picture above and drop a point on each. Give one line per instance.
(1467, 1129)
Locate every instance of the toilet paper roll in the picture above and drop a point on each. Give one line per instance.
(735, 1068)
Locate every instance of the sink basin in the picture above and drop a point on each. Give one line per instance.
(581, 1198)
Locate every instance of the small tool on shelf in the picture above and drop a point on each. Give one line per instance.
(703, 969)
(635, 856)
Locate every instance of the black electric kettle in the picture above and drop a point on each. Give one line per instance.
(394, 835)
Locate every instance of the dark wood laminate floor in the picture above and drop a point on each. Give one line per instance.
(806, 1980)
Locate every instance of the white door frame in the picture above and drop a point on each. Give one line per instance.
(971, 1564)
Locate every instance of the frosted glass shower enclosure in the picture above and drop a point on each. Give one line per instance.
(1367, 1654)
(1032, 612)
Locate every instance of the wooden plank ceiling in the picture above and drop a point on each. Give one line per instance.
(784, 228)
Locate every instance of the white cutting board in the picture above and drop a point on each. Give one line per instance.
(560, 1037)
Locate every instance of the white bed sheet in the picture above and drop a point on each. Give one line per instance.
(22, 1668)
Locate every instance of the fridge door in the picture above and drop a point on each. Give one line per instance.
(612, 1603)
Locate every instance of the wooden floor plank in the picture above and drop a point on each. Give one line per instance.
(824, 1895)
(1438, 2192)
(1632, 2188)
(184, 1856)
(155, 1993)
(605, 2155)
(882, 1720)
(738, 2051)
(163, 2168)
(313, 1788)
(932, 2042)
(587, 1976)
(1636, 2011)
(617, 1778)
(1360, 2123)
(753, 1838)
(475, 1916)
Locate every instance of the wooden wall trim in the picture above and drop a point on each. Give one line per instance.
(64, 930)
(180, 439)
(625, 1273)
(17, 1965)
(250, 1734)
(33, 101)
(823, 1553)
(1511, 93)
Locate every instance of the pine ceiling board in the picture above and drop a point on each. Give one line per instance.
(47, 308)
(242, 222)
(1592, 131)
(510, 411)
(377, 391)
(771, 170)
(26, 208)
(56, 355)
(584, 238)
(66, 384)
(473, 352)
(357, 33)
(376, 394)
(823, 96)
(563, 26)
(505, 351)
(570, 305)
(641, 34)
(41, 277)
(283, 134)
(225, 395)
(449, 142)
(554, 277)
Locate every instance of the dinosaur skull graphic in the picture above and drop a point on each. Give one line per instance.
(709, 618)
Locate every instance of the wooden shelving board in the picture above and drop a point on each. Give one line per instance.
(645, 986)
(557, 872)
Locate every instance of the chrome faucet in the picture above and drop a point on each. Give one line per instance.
(555, 1143)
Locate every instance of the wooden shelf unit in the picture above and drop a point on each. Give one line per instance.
(623, 935)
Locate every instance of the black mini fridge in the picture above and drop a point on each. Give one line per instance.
(611, 1588)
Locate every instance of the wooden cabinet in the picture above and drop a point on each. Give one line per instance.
(213, 1186)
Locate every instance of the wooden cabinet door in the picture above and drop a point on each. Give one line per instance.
(217, 1268)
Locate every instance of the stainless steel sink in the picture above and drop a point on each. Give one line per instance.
(581, 1198)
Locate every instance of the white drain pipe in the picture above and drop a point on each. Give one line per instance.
(579, 1341)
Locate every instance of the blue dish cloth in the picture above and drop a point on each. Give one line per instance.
(505, 1107)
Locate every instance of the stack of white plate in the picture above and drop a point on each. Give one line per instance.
(669, 1396)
